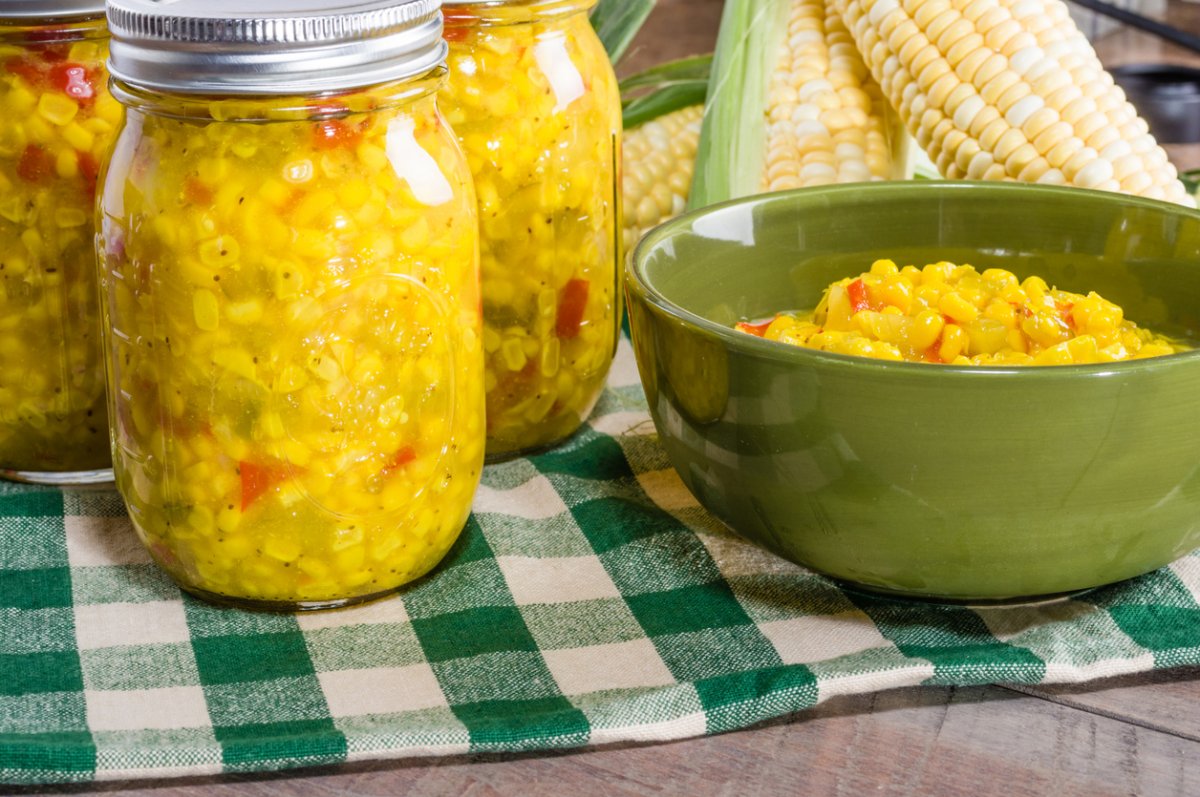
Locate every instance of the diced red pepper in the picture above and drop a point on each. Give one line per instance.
(35, 164)
(27, 69)
(163, 554)
(1064, 311)
(73, 80)
(933, 353)
(257, 479)
(334, 133)
(401, 458)
(756, 328)
(454, 33)
(55, 51)
(196, 192)
(857, 292)
(571, 304)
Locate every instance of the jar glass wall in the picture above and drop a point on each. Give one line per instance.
(57, 121)
(293, 339)
(534, 101)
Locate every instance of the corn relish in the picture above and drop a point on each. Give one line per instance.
(295, 341)
(947, 313)
(57, 121)
(534, 102)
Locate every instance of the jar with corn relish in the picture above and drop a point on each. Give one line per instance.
(291, 290)
(535, 104)
(57, 121)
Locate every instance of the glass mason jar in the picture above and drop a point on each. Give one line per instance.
(534, 101)
(57, 121)
(291, 295)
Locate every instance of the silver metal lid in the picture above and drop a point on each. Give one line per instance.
(50, 9)
(272, 46)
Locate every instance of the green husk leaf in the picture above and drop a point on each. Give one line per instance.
(618, 21)
(1191, 181)
(921, 167)
(684, 70)
(662, 102)
(733, 136)
(664, 88)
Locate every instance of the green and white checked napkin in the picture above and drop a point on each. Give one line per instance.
(590, 600)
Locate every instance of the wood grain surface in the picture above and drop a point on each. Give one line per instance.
(1127, 736)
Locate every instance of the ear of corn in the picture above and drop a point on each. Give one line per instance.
(791, 104)
(663, 107)
(1008, 90)
(989, 89)
(659, 156)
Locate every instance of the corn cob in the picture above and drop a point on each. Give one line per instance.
(826, 115)
(791, 104)
(659, 158)
(1008, 89)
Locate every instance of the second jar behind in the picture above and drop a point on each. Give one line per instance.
(534, 101)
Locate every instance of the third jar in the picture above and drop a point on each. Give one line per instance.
(57, 121)
(534, 101)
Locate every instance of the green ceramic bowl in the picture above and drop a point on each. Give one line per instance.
(924, 480)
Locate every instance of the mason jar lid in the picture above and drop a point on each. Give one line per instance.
(272, 46)
(50, 9)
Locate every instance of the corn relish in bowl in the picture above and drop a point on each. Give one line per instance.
(952, 314)
(959, 481)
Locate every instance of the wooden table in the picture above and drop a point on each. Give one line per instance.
(1128, 736)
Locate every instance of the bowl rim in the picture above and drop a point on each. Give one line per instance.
(800, 355)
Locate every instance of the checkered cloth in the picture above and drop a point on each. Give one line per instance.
(589, 600)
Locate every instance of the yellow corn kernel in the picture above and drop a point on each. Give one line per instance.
(927, 326)
(513, 353)
(1059, 354)
(896, 292)
(79, 137)
(1035, 288)
(70, 217)
(247, 312)
(20, 99)
(937, 272)
(57, 108)
(954, 342)
(987, 335)
(66, 164)
(884, 268)
(1002, 311)
(372, 157)
(958, 308)
(220, 251)
(84, 52)
(281, 548)
(237, 361)
(205, 310)
(1045, 330)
